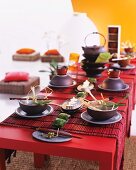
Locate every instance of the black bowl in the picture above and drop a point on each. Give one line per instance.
(87, 63)
(32, 108)
(91, 58)
(101, 115)
(61, 80)
(113, 84)
(94, 72)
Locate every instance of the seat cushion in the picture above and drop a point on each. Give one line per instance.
(16, 76)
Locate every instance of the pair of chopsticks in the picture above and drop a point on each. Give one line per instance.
(19, 98)
(60, 133)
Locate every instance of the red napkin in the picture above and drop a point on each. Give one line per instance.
(16, 76)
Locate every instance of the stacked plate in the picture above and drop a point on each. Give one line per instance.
(91, 68)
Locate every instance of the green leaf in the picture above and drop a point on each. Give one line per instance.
(103, 57)
(42, 102)
(80, 94)
(53, 64)
(92, 80)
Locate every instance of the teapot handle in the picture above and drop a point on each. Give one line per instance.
(95, 33)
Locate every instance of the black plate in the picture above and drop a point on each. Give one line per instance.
(85, 116)
(58, 139)
(125, 87)
(73, 84)
(128, 67)
(21, 113)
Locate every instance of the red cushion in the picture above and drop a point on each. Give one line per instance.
(25, 51)
(16, 76)
(52, 52)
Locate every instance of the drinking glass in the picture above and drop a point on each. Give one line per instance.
(73, 64)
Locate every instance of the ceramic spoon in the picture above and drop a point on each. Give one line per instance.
(86, 89)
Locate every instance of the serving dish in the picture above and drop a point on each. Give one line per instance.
(85, 116)
(128, 67)
(23, 114)
(125, 87)
(39, 135)
(102, 110)
(61, 80)
(77, 105)
(63, 86)
(113, 83)
(32, 108)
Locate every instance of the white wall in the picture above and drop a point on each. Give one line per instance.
(24, 22)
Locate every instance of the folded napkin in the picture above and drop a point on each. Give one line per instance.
(16, 76)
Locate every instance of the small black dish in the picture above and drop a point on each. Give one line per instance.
(94, 72)
(23, 114)
(32, 108)
(61, 80)
(85, 116)
(87, 63)
(91, 58)
(115, 84)
(128, 67)
(63, 86)
(101, 112)
(125, 87)
(70, 111)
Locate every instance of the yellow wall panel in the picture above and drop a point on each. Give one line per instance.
(111, 12)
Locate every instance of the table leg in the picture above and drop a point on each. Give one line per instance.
(39, 160)
(107, 164)
(2, 160)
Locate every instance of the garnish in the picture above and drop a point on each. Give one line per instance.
(103, 58)
(128, 44)
(48, 135)
(92, 80)
(39, 100)
(81, 94)
(60, 121)
(42, 102)
(64, 116)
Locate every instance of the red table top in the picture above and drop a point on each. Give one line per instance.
(21, 138)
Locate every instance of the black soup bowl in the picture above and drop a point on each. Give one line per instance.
(101, 112)
(32, 108)
(113, 84)
(61, 80)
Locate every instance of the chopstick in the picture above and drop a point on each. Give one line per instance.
(17, 98)
(118, 59)
(60, 132)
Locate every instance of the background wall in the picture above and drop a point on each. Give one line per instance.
(42, 25)
(104, 13)
(23, 23)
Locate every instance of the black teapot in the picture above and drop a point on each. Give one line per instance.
(94, 50)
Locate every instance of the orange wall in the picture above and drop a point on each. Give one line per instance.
(107, 12)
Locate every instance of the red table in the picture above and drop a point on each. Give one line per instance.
(88, 148)
(102, 149)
